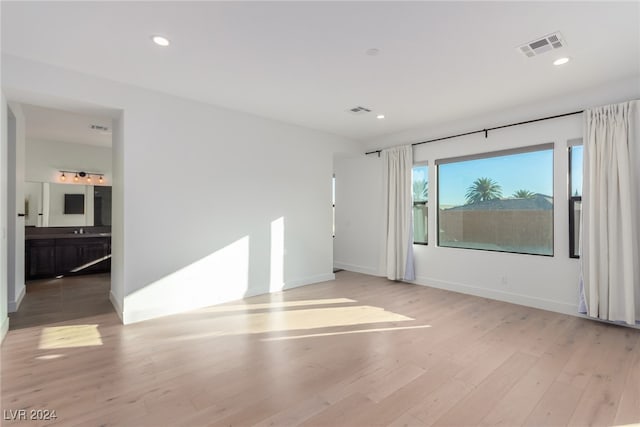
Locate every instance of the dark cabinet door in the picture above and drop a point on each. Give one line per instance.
(40, 258)
(93, 250)
(67, 256)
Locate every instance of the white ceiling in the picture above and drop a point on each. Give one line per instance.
(305, 62)
(56, 125)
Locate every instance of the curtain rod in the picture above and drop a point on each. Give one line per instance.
(486, 131)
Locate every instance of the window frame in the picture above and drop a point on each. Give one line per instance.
(573, 251)
(492, 154)
(413, 203)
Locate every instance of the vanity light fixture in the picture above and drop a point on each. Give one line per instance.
(82, 174)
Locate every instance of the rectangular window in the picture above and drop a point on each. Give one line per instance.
(575, 197)
(420, 182)
(500, 201)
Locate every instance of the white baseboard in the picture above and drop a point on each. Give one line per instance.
(528, 301)
(116, 305)
(13, 306)
(296, 284)
(309, 281)
(4, 329)
(356, 268)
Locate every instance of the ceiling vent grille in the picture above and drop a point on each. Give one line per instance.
(359, 110)
(542, 45)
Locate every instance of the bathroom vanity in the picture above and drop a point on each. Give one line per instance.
(59, 251)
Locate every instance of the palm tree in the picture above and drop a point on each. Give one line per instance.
(420, 190)
(524, 194)
(483, 189)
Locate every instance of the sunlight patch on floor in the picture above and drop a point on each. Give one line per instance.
(69, 336)
(359, 331)
(275, 304)
(49, 356)
(290, 320)
(319, 318)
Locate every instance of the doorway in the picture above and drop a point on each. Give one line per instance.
(63, 180)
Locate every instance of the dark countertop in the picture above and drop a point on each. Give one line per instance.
(65, 236)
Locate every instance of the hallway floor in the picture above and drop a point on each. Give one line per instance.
(57, 300)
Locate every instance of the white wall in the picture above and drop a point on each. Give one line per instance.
(203, 192)
(537, 281)
(45, 159)
(118, 249)
(4, 319)
(15, 206)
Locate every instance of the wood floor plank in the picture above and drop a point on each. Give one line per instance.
(629, 407)
(341, 413)
(474, 407)
(296, 414)
(394, 406)
(599, 402)
(440, 401)
(514, 407)
(556, 406)
(406, 420)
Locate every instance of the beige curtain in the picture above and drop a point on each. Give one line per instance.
(611, 203)
(398, 162)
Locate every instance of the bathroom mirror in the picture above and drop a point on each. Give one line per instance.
(44, 205)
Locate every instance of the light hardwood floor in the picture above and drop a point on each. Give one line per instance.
(357, 351)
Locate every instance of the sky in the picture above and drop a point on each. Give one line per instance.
(525, 171)
(576, 170)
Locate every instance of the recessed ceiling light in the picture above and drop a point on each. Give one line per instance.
(380, 116)
(160, 41)
(373, 51)
(561, 61)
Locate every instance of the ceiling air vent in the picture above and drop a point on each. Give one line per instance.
(542, 45)
(359, 110)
